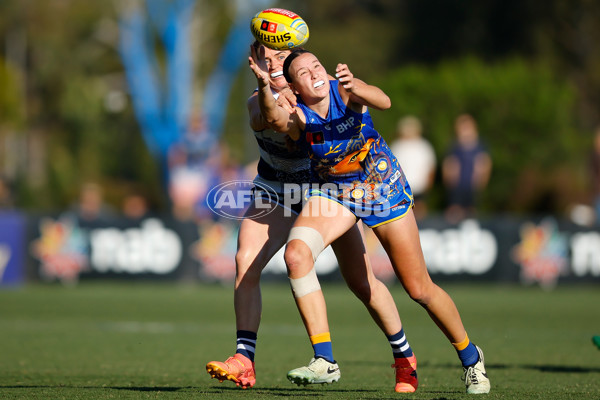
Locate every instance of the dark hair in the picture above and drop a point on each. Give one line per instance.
(288, 61)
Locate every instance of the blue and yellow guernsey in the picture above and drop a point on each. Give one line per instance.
(353, 163)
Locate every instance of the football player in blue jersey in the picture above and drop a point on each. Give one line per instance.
(360, 180)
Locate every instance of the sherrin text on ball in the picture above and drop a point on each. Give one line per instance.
(279, 29)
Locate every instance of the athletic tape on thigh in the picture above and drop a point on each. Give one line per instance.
(311, 237)
(307, 284)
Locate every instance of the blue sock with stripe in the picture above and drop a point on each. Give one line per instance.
(467, 352)
(400, 345)
(322, 347)
(246, 344)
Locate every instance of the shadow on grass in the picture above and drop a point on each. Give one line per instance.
(226, 391)
(132, 388)
(221, 389)
(542, 368)
(150, 388)
(321, 392)
(561, 368)
(313, 391)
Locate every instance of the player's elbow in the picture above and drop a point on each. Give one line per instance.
(386, 103)
(382, 103)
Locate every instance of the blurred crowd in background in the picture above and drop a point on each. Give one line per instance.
(463, 172)
(138, 108)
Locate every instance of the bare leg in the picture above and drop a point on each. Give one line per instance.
(258, 241)
(331, 220)
(355, 267)
(400, 240)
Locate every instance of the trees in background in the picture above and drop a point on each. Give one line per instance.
(529, 73)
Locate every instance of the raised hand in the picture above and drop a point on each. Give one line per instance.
(287, 100)
(346, 78)
(258, 65)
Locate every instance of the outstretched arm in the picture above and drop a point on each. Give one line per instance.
(359, 92)
(277, 117)
(284, 98)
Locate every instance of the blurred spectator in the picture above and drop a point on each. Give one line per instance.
(466, 170)
(193, 164)
(595, 172)
(135, 206)
(417, 159)
(229, 171)
(90, 208)
(6, 199)
(229, 168)
(187, 184)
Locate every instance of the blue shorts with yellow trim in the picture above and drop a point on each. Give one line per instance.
(384, 208)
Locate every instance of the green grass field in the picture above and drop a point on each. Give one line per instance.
(152, 341)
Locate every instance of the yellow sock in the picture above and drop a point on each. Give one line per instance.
(322, 347)
(462, 345)
(320, 338)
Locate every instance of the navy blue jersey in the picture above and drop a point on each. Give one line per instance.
(282, 160)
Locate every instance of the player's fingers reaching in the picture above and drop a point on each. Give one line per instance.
(261, 76)
(259, 57)
(285, 104)
(253, 54)
(341, 67)
(289, 96)
(343, 74)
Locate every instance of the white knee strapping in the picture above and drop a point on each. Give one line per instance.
(311, 237)
(307, 284)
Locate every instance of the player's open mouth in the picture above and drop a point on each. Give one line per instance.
(318, 84)
(276, 74)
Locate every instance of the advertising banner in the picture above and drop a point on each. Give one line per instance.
(543, 251)
(67, 249)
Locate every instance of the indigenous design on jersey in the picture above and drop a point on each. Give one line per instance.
(347, 151)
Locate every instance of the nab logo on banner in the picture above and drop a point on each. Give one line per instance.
(467, 249)
(232, 199)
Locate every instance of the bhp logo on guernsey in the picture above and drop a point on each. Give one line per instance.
(232, 199)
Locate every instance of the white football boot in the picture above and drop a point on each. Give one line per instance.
(319, 370)
(475, 377)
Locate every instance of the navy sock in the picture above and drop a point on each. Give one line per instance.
(246, 344)
(400, 345)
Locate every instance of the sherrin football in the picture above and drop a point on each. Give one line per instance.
(279, 29)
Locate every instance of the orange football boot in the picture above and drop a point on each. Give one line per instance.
(238, 369)
(406, 374)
